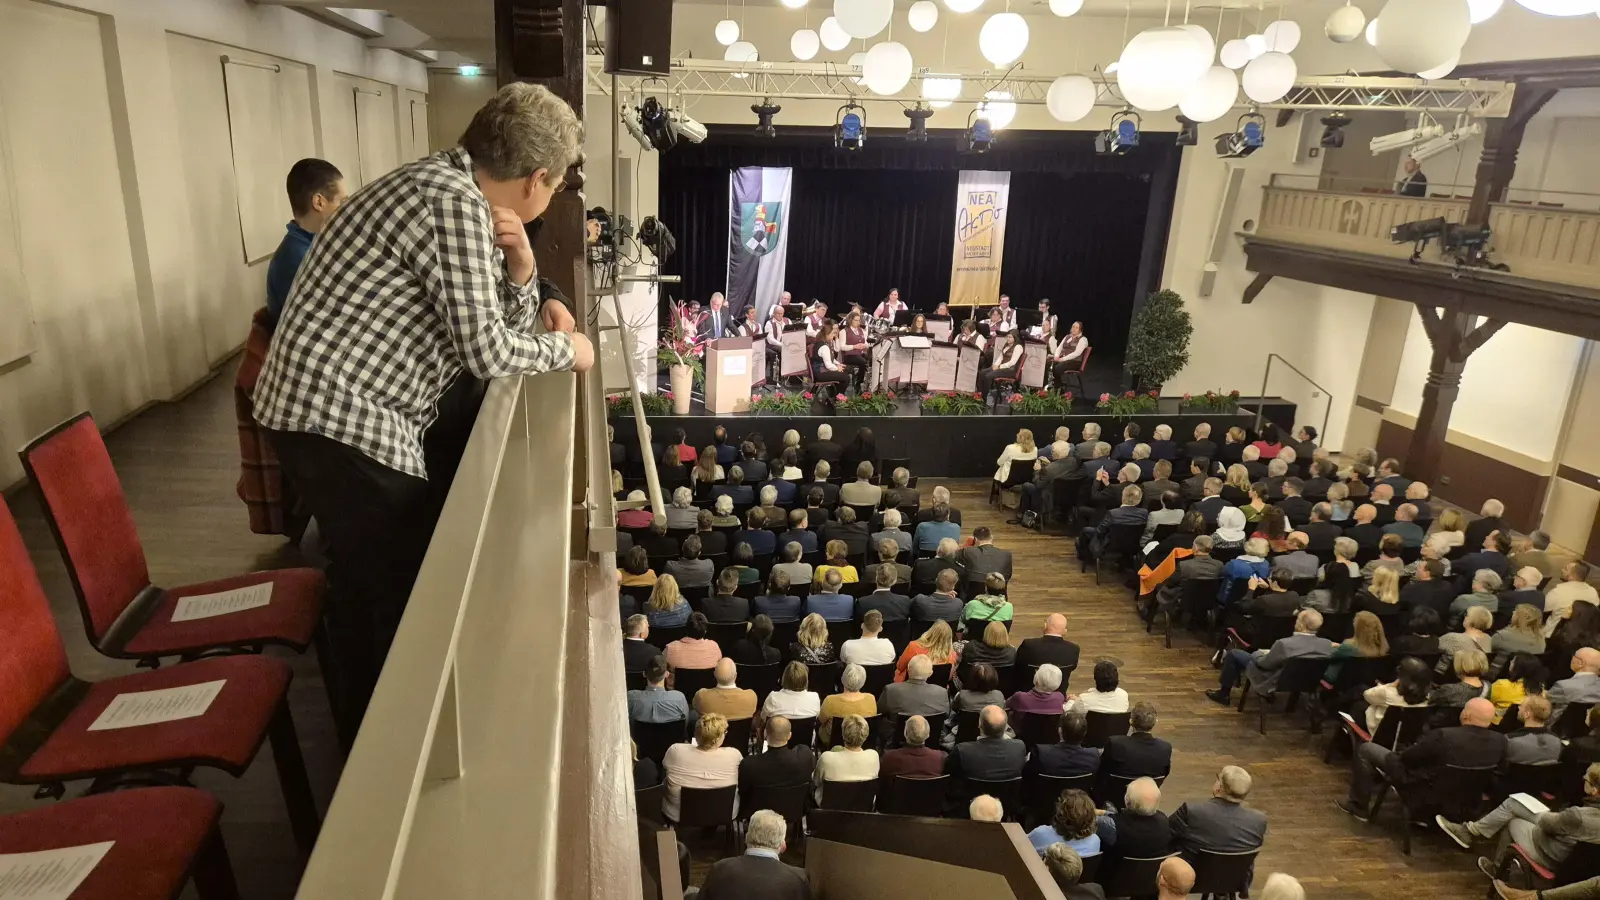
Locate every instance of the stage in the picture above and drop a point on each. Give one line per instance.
(943, 446)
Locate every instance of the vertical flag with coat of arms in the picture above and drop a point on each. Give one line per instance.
(758, 237)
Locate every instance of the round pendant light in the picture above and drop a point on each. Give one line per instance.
(727, 32)
(1212, 96)
(833, 37)
(1269, 77)
(1071, 97)
(1282, 36)
(923, 15)
(1560, 7)
(887, 68)
(1484, 10)
(1064, 8)
(804, 44)
(941, 91)
(1442, 70)
(1235, 54)
(962, 6)
(1003, 38)
(1000, 108)
(1345, 24)
(863, 19)
(1418, 35)
(741, 52)
(794, 4)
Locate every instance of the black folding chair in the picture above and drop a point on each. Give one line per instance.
(1582, 864)
(647, 803)
(634, 680)
(1039, 728)
(1104, 725)
(1300, 675)
(1121, 548)
(689, 681)
(1196, 605)
(708, 808)
(967, 725)
(916, 796)
(1044, 790)
(662, 635)
(739, 734)
(761, 679)
(1455, 793)
(839, 632)
(1571, 723)
(1131, 876)
(653, 738)
(789, 801)
(1114, 788)
(851, 796)
(941, 675)
(823, 678)
(878, 678)
(727, 634)
(1021, 471)
(803, 732)
(1222, 876)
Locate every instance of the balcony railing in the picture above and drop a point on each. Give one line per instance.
(1541, 240)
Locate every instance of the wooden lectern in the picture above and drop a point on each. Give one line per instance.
(730, 369)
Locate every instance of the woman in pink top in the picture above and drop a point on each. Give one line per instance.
(703, 764)
(1046, 694)
(694, 650)
(1270, 443)
(635, 518)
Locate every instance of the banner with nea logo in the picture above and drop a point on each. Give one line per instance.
(981, 201)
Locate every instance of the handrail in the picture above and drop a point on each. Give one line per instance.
(1327, 412)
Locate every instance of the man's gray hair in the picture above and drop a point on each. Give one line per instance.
(920, 668)
(1202, 543)
(985, 808)
(1309, 621)
(682, 498)
(1163, 433)
(853, 678)
(522, 129)
(769, 495)
(901, 477)
(766, 830)
(945, 552)
(1143, 796)
(1091, 431)
(1101, 449)
(1492, 508)
(941, 494)
(824, 432)
(1235, 783)
(1488, 579)
(891, 519)
(724, 505)
(916, 731)
(1048, 678)
(1277, 467)
(636, 624)
(1280, 886)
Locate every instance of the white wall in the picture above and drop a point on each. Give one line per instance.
(130, 220)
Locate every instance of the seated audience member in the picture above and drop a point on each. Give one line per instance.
(755, 648)
(915, 696)
(943, 605)
(681, 513)
(725, 606)
(781, 765)
(937, 643)
(1139, 830)
(985, 808)
(984, 557)
(1525, 676)
(1486, 586)
(941, 494)
(1413, 681)
(837, 560)
(1066, 870)
(1097, 460)
(1295, 507)
(871, 649)
(1469, 667)
(656, 542)
(1405, 525)
(994, 648)
(636, 650)
(1045, 697)
(771, 515)
(790, 565)
(1420, 635)
(901, 495)
(811, 645)
(727, 699)
(1107, 696)
(1532, 744)
(1383, 502)
(1382, 596)
(1194, 487)
(850, 762)
(712, 542)
(1137, 753)
(1222, 824)
(1492, 557)
(1130, 442)
(1471, 745)
(635, 519)
(799, 532)
(915, 759)
(888, 552)
(1388, 557)
(861, 492)
(1159, 483)
(1073, 823)
(1534, 550)
(1093, 543)
(635, 569)
(690, 570)
(1582, 687)
(1239, 573)
(1033, 496)
(1263, 666)
(1365, 532)
(824, 448)
(830, 603)
(1191, 526)
(1051, 646)
(706, 470)
(1449, 527)
(762, 542)
(727, 453)
(1525, 590)
(1488, 521)
(1174, 879)
(991, 605)
(1169, 512)
(1200, 566)
(1367, 641)
(694, 650)
(890, 606)
(656, 704)
(753, 458)
(1202, 445)
(1574, 586)
(1274, 600)
(704, 764)
(1320, 532)
(1580, 627)
(816, 514)
(926, 571)
(1300, 562)
(1069, 758)
(793, 699)
(1344, 509)
(1429, 587)
(1273, 527)
(1524, 633)
(979, 688)
(744, 562)
(993, 756)
(722, 513)
(1547, 837)
(777, 603)
(891, 531)
(1161, 444)
(850, 701)
(737, 492)
(666, 607)
(1212, 504)
(760, 871)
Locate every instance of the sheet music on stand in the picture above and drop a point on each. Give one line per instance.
(941, 327)
(942, 362)
(915, 347)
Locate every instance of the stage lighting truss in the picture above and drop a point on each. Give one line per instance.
(831, 81)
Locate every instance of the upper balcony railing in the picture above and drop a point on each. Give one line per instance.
(1544, 236)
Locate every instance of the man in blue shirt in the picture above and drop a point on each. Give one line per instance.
(316, 190)
(655, 704)
(832, 605)
(799, 532)
(930, 533)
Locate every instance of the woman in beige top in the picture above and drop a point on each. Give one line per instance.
(703, 764)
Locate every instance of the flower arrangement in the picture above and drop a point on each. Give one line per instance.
(867, 403)
(678, 348)
(1043, 402)
(654, 404)
(782, 403)
(1128, 404)
(952, 403)
(1211, 401)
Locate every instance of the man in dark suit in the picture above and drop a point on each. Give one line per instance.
(823, 449)
(901, 495)
(799, 532)
(894, 607)
(1250, 458)
(1194, 487)
(1319, 530)
(1070, 758)
(1202, 445)
(777, 603)
(854, 534)
(1430, 588)
(830, 602)
(993, 756)
(1316, 487)
(1142, 829)
(1160, 484)
(786, 491)
(1100, 461)
(1488, 520)
(1051, 647)
(984, 557)
(759, 872)
(941, 605)
(1389, 473)
(1137, 753)
(636, 650)
(717, 323)
(725, 605)
(755, 470)
(830, 491)
(1472, 745)
(1123, 452)
(656, 543)
(1382, 500)
(1034, 494)
(1296, 507)
(1222, 824)
(727, 454)
(1496, 544)
(1091, 544)
(1365, 532)
(1161, 444)
(755, 533)
(781, 765)
(816, 515)
(1277, 474)
(1211, 503)
(1417, 495)
(740, 493)
(941, 494)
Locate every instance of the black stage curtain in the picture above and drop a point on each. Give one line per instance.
(882, 217)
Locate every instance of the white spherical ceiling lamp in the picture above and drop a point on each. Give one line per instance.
(999, 108)
(1560, 7)
(1235, 54)
(1441, 70)
(727, 32)
(741, 52)
(1282, 35)
(1269, 77)
(887, 68)
(1064, 8)
(940, 92)
(1167, 58)
(1257, 44)
(1071, 97)
(863, 18)
(1345, 24)
(1205, 45)
(923, 15)
(804, 44)
(1003, 38)
(1484, 10)
(1212, 96)
(1418, 35)
(1371, 34)
(857, 60)
(962, 6)
(833, 37)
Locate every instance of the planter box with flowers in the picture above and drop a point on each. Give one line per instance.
(1042, 402)
(1128, 404)
(781, 403)
(952, 403)
(654, 405)
(867, 404)
(1210, 401)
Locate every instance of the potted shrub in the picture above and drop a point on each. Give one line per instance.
(952, 403)
(1158, 342)
(1210, 401)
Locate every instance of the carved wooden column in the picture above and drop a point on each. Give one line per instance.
(1502, 138)
(1454, 338)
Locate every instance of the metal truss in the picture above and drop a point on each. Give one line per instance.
(835, 81)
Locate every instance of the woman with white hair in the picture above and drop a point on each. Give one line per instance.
(1045, 697)
(1236, 574)
(1282, 887)
(682, 513)
(635, 518)
(1434, 546)
(850, 701)
(768, 510)
(723, 516)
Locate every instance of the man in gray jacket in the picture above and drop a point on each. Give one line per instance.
(1547, 836)
(1582, 687)
(915, 696)
(1222, 824)
(1264, 666)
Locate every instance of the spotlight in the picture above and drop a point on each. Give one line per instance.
(656, 236)
(1122, 136)
(598, 223)
(764, 112)
(1333, 125)
(630, 121)
(979, 136)
(919, 122)
(656, 122)
(849, 130)
(1188, 132)
(1402, 139)
(1249, 137)
(1448, 141)
(685, 127)
(1417, 232)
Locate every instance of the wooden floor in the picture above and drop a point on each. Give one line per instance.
(178, 463)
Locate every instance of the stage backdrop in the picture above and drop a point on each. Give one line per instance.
(982, 199)
(758, 237)
(863, 222)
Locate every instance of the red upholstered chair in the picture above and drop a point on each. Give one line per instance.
(45, 713)
(124, 615)
(161, 837)
(1076, 374)
(1006, 384)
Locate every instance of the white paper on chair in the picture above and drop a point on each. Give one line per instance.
(1531, 803)
(48, 874)
(205, 606)
(154, 707)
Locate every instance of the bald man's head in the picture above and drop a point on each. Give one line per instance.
(1383, 492)
(726, 672)
(1365, 513)
(1055, 623)
(778, 731)
(1478, 712)
(993, 722)
(1175, 879)
(985, 808)
(1588, 658)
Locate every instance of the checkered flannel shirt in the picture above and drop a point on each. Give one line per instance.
(402, 290)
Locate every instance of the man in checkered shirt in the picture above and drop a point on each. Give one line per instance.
(423, 283)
